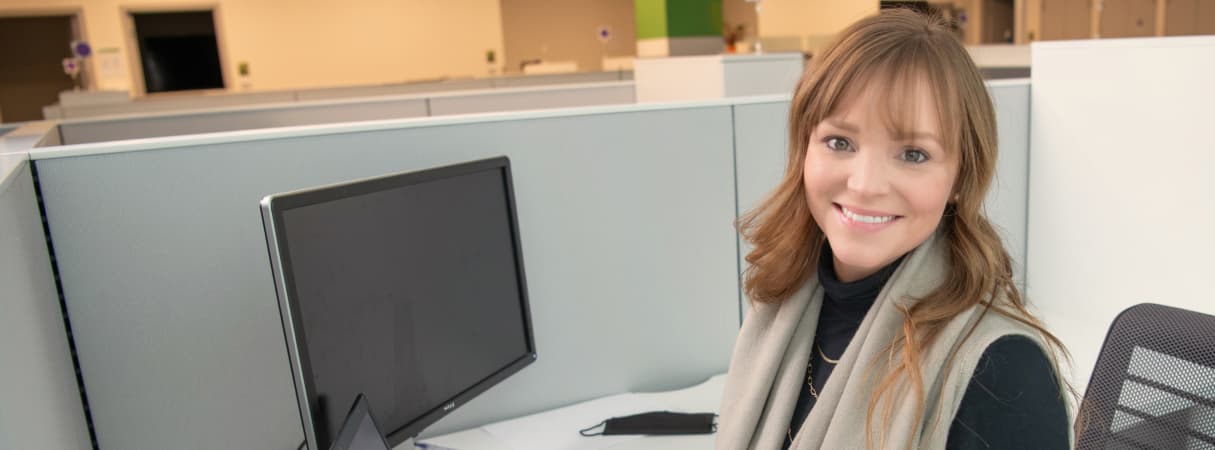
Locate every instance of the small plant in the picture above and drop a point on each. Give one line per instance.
(732, 34)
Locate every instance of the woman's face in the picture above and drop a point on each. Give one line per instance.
(877, 193)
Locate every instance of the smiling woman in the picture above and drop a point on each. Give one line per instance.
(873, 257)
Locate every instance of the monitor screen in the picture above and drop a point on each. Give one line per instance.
(407, 288)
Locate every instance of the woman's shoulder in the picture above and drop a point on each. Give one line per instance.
(999, 337)
(992, 325)
(1013, 400)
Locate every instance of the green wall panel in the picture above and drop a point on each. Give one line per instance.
(689, 18)
(651, 17)
(677, 18)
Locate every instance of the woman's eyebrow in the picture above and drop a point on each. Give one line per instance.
(843, 125)
(914, 135)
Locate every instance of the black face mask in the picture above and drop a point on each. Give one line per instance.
(658, 422)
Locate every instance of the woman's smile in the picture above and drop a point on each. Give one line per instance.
(864, 220)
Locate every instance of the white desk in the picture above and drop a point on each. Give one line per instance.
(558, 429)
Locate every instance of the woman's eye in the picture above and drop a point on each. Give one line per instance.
(914, 156)
(838, 144)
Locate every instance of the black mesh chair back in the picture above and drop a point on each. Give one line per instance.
(1154, 383)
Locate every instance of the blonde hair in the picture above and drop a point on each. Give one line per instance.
(889, 53)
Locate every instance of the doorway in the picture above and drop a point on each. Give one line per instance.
(999, 21)
(178, 51)
(32, 75)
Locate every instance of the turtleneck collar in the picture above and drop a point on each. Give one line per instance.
(859, 293)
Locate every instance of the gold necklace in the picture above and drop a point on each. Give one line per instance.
(810, 382)
(813, 393)
(825, 357)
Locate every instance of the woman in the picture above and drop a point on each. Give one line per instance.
(883, 309)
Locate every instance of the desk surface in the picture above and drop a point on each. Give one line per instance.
(558, 429)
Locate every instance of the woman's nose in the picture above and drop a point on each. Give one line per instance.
(868, 175)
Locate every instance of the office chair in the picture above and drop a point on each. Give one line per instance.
(1154, 383)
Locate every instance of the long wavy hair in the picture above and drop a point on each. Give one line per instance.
(888, 54)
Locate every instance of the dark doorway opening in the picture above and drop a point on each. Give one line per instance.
(31, 72)
(178, 51)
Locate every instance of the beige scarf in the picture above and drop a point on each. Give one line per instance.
(768, 368)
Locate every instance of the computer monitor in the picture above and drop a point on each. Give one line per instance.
(407, 288)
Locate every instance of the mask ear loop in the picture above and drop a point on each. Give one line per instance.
(592, 427)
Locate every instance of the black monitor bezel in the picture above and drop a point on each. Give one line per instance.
(274, 206)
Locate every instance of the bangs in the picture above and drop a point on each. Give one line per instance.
(900, 80)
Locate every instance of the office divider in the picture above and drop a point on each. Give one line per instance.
(169, 103)
(1123, 171)
(346, 110)
(41, 401)
(625, 216)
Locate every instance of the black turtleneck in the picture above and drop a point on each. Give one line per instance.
(1012, 400)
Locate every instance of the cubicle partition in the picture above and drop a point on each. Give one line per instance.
(1123, 172)
(189, 102)
(42, 405)
(166, 103)
(626, 223)
(347, 110)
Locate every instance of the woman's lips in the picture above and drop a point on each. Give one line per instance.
(864, 220)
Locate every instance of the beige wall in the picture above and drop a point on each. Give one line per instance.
(565, 30)
(809, 21)
(307, 43)
(1033, 21)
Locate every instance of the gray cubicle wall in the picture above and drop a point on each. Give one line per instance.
(462, 84)
(762, 141)
(347, 110)
(41, 401)
(168, 103)
(340, 92)
(626, 222)
(175, 102)
(560, 78)
(534, 97)
(239, 118)
(1008, 202)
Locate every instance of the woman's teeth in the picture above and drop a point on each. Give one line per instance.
(865, 219)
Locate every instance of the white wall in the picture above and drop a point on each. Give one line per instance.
(310, 43)
(1122, 172)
